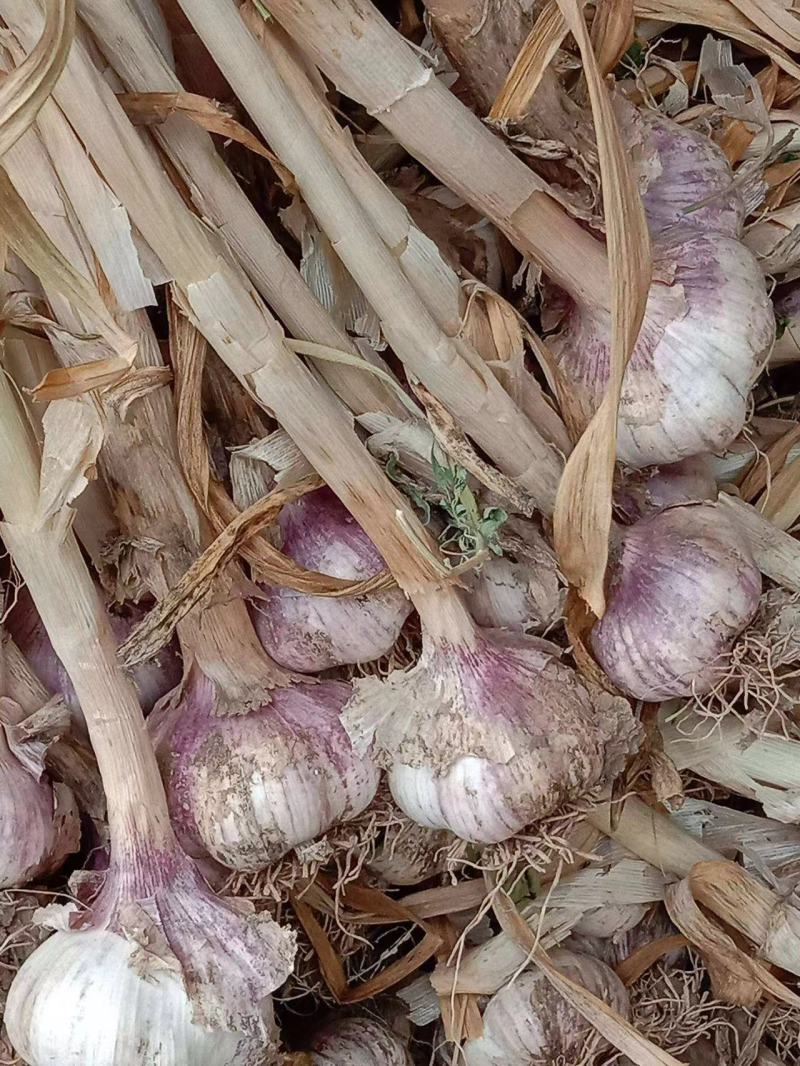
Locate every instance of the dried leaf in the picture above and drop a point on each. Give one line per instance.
(780, 502)
(639, 962)
(208, 114)
(735, 977)
(535, 56)
(603, 1018)
(371, 900)
(612, 32)
(188, 348)
(74, 381)
(777, 554)
(721, 17)
(26, 88)
(582, 518)
(73, 436)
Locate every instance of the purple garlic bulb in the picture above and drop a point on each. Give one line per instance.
(312, 633)
(708, 323)
(245, 789)
(528, 1022)
(153, 679)
(39, 823)
(487, 737)
(683, 585)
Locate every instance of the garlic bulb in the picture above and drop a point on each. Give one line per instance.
(709, 321)
(247, 788)
(484, 736)
(358, 1042)
(70, 1006)
(649, 491)
(311, 633)
(153, 679)
(39, 823)
(524, 593)
(527, 1022)
(683, 585)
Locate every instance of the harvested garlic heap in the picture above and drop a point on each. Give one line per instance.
(281, 739)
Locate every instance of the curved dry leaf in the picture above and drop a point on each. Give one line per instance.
(73, 436)
(27, 87)
(582, 518)
(735, 977)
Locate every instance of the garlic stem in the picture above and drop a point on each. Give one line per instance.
(222, 304)
(370, 62)
(463, 382)
(50, 562)
(218, 197)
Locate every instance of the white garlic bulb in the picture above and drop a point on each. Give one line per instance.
(409, 853)
(483, 738)
(527, 1022)
(312, 633)
(78, 1000)
(247, 788)
(708, 323)
(649, 491)
(359, 1042)
(39, 823)
(683, 584)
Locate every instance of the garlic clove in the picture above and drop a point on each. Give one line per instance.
(312, 633)
(683, 584)
(485, 738)
(81, 1000)
(703, 339)
(358, 1042)
(527, 1022)
(246, 789)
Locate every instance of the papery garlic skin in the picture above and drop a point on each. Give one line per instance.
(39, 823)
(683, 585)
(312, 633)
(153, 679)
(485, 739)
(702, 342)
(358, 1042)
(248, 788)
(527, 1022)
(610, 920)
(78, 1001)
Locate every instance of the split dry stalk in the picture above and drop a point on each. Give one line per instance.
(49, 560)
(219, 198)
(225, 309)
(370, 62)
(777, 554)
(462, 381)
